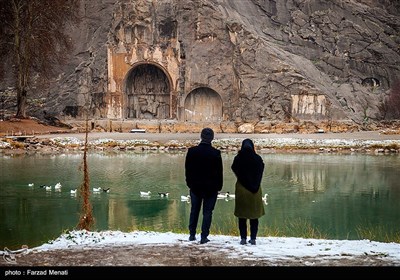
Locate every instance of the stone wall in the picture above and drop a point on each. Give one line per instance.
(235, 62)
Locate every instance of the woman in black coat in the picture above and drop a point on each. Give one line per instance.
(248, 167)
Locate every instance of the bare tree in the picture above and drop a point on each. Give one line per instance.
(86, 219)
(32, 34)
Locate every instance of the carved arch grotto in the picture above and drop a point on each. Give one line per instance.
(203, 104)
(147, 93)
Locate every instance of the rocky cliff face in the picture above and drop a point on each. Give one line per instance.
(266, 60)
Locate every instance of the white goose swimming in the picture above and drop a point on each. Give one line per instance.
(48, 188)
(73, 192)
(97, 189)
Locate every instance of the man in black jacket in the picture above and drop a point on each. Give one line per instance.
(203, 171)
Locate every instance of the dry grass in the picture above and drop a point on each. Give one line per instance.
(28, 127)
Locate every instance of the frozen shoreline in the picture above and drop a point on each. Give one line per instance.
(364, 142)
(361, 141)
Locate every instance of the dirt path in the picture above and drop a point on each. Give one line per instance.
(165, 137)
(26, 126)
(178, 255)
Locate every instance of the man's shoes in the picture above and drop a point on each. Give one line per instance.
(204, 240)
(192, 238)
(243, 241)
(252, 241)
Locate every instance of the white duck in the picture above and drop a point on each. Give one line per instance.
(58, 186)
(265, 198)
(163, 194)
(31, 184)
(230, 196)
(222, 195)
(73, 192)
(48, 188)
(145, 194)
(226, 195)
(97, 189)
(185, 197)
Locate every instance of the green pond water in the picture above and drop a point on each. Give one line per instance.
(336, 195)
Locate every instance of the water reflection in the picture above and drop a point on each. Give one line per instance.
(336, 194)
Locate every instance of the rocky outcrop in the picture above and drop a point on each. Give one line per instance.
(285, 61)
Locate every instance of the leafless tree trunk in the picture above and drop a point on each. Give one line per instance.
(31, 32)
(86, 219)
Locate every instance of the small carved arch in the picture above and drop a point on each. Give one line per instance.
(203, 104)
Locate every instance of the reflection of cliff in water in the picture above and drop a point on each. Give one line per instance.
(158, 214)
(321, 172)
(309, 180)
(147, 208)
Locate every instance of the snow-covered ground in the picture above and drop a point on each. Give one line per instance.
(278, 248)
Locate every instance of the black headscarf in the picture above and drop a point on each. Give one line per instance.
(248, 166)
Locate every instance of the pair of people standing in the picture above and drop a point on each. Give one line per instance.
(204, 177)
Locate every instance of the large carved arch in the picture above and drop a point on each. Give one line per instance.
(203, 104)
(147, 90)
